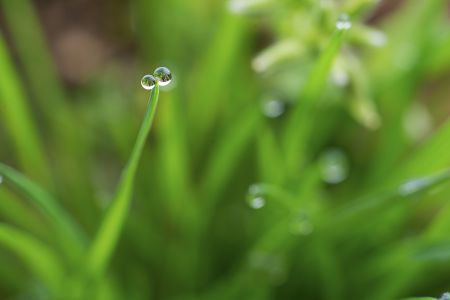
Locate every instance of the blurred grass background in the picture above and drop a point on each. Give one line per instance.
(289, 159)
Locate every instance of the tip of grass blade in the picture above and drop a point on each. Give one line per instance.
(108, 234)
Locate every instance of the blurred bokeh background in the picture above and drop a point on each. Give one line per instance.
(302, 150)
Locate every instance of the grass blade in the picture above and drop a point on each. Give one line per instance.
(299, 124)
(70, 234)
(17, 118)
(206, 97)
(14, 210)
(227, 152)
(431, 156)
(37, 256)
(103, 246)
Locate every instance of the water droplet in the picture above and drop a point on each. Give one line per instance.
(1, 179)
(343, 22)
(445, 296)
(301, 225)
(163, 75)
(334, 166)
(273, 108)
(256, 202)
(148, 82)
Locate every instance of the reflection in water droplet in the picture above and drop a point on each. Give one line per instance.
(273, 108)
(148, 82)
(343, 22)
(301, 225)
(256, 202)
(334, 166)
(163, 75)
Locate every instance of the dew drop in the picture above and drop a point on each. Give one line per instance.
(334, 166)
(163, 75)
(255, 198)
(273, 108)
(343, 22)
(256, 202)
(148, 82)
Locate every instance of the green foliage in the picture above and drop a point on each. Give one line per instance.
(290, 159)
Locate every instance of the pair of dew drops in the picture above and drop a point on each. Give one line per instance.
(161, 75)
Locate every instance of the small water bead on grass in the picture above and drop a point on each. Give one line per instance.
(163, 75)
(343, 22)
(273, 108)
(256, 202)
(148, 82)
(254, 197)
(333, 166)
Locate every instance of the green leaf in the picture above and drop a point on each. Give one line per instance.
(108, 234)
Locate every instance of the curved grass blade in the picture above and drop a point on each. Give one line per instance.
(15, 211)
(221, 54)
(17, 119)
(301, 120)
(38, 257)
(431, 156)
(71, 237)
(68, 140)
(227, 152)
(103, 246)
(364, 207)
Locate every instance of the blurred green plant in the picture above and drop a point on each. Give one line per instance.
(299, 154)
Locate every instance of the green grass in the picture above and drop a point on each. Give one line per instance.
(89, 210)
